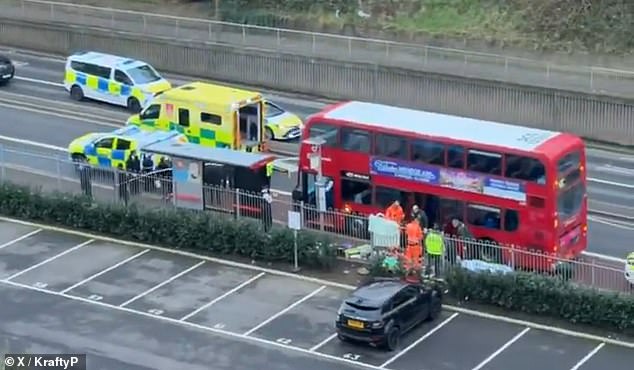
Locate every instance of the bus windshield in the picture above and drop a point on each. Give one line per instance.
(569, 201)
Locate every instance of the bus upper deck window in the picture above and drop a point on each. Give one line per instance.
(485, 162)
(326, 131)
(525, 168)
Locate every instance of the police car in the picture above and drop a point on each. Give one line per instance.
(7, 69)
(629, 269)
(112, 79)
(112, 149)
(280, 124)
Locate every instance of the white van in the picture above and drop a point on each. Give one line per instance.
(112, 79)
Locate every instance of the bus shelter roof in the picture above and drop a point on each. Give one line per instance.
(173, 148)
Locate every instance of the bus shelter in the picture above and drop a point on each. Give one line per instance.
(204, 178)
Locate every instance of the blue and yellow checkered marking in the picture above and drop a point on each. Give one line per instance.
(102, 85)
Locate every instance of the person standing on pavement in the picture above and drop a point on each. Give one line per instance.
(435, 249)
(413, 249)
(419, 215)
(267, 212)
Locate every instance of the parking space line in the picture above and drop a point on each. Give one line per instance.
(49, 260)
(588, 356)
(295, 304)
(121, 263)
(20, 238)
(195, 326)
(162, 284)
(321, 344)
(501, 349)
(219, 298)
(417, 341)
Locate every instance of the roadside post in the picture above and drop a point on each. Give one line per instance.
(315, 158)
(295, 223)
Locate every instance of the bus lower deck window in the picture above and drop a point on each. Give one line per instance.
(356, 191)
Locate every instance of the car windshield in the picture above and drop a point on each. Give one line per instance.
(273, 110)
(570, 200)
(143, 75)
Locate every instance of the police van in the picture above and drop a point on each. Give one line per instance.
(112, 79)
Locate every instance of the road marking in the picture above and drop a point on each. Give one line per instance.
(121, 263)
(295, 304)
(192, 268)
(60, 115)
(606, 182)
(49, 260)
(32, 143)
(501, 349)
(588, 357)
(418, 341)
(221, 297)
(611, 223)
(194, 325)
(17, 63)
(20, 238)
(43, 82)
(294, 276)
(321, 344)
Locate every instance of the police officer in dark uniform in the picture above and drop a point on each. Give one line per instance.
(146, 168)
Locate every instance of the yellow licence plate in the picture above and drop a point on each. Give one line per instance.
(355, 324)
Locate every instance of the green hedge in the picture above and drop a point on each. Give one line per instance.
(174, 228)
(540, 295)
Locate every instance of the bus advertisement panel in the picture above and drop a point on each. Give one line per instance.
(509, 184)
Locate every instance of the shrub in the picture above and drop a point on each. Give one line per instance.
(204, 232)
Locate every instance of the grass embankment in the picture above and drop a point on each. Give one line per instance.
(600, 26)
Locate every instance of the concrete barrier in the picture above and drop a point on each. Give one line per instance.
(593, 117)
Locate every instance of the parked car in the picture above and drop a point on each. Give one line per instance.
(384, 309)
(7, 69)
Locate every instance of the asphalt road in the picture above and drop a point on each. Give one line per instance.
(39, 111)
(133, 308)
(527, 72)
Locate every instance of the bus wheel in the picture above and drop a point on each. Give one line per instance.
(490, 251)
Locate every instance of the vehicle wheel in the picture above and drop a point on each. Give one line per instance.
(490, 251)
(76, 93)
(134, 106)
(342, 338)
(435, 307)
(392, 339)
(79, 158)
(268, 134)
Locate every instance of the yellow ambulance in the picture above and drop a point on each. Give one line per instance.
(209, 115)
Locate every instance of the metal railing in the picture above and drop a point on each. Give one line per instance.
(415, 56)
(348, 232)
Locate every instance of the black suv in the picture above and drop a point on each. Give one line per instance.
(383, 309)
(7, 70)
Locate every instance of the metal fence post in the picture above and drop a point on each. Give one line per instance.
(237, 211)
(593, 283)
(59, 174)
(591, 78)
(2, 166)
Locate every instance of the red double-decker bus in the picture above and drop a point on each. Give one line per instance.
(511, 185)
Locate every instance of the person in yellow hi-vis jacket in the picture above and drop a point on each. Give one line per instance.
(629, 268)
(435, 249)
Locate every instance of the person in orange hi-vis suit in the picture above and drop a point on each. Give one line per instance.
(395, 212)
(414, 248)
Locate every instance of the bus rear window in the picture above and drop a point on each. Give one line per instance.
(570, 200)
(568, 162)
